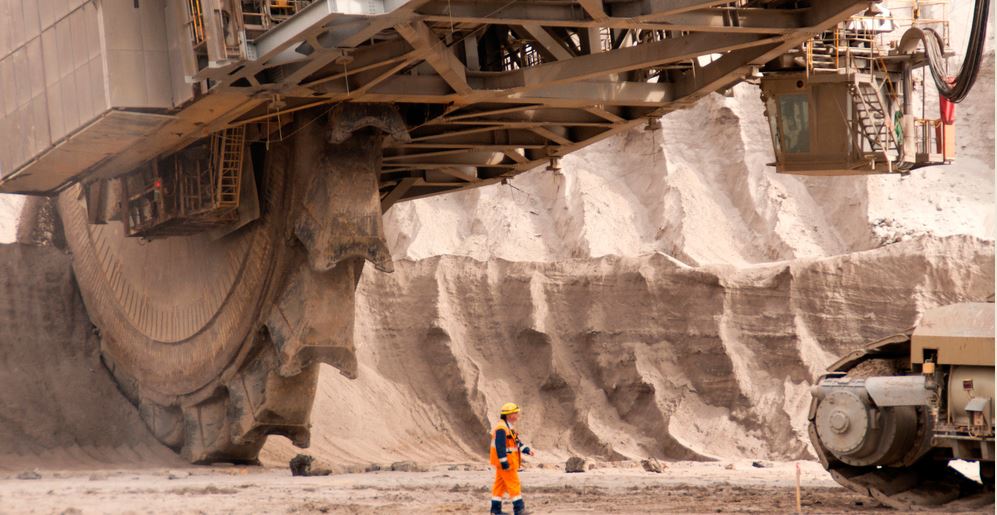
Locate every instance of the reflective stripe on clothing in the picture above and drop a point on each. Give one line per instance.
(509, 449)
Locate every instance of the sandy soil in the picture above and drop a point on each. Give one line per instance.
(10, 208)
(683, 487)
(59, 404)
(618, 358)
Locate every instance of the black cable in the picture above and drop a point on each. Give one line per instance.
(957, 91)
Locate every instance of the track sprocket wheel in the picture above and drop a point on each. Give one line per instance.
(917, 481)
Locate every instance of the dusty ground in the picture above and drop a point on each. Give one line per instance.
(683, 487)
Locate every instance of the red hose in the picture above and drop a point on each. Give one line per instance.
(946, 107)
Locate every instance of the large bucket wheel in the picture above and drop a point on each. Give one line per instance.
(179, 321)
(217, 340)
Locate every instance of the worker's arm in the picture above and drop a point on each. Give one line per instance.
(500, 449)
(525, 449)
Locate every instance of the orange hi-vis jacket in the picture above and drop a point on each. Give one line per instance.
(512, 450)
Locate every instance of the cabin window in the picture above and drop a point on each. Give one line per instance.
(794, 114)
(770, 112)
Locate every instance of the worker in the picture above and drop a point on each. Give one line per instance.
(506, 455)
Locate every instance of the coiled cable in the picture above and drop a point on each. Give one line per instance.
(957, 90)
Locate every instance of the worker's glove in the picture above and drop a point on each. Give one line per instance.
(527, 451)
(505, 465)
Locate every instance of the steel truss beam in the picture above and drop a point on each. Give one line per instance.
(551, 91)
(761, 21)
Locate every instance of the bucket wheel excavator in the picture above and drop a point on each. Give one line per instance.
(220, 167)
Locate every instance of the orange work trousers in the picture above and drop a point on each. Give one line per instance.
(507, 482)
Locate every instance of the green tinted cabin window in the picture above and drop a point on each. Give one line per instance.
(770, 111)
(794, 114)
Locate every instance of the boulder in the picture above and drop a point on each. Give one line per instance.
(301, 465)
(574, 464)
(652, 465)
(406, 466)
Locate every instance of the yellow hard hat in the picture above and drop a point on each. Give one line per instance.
(509, 408)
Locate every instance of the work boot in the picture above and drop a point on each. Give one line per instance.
(497, 508)
(518, 508)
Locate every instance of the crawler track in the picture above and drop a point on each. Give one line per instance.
(928, 484)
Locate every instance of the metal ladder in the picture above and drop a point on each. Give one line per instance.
(230, 144)
(872, 117)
